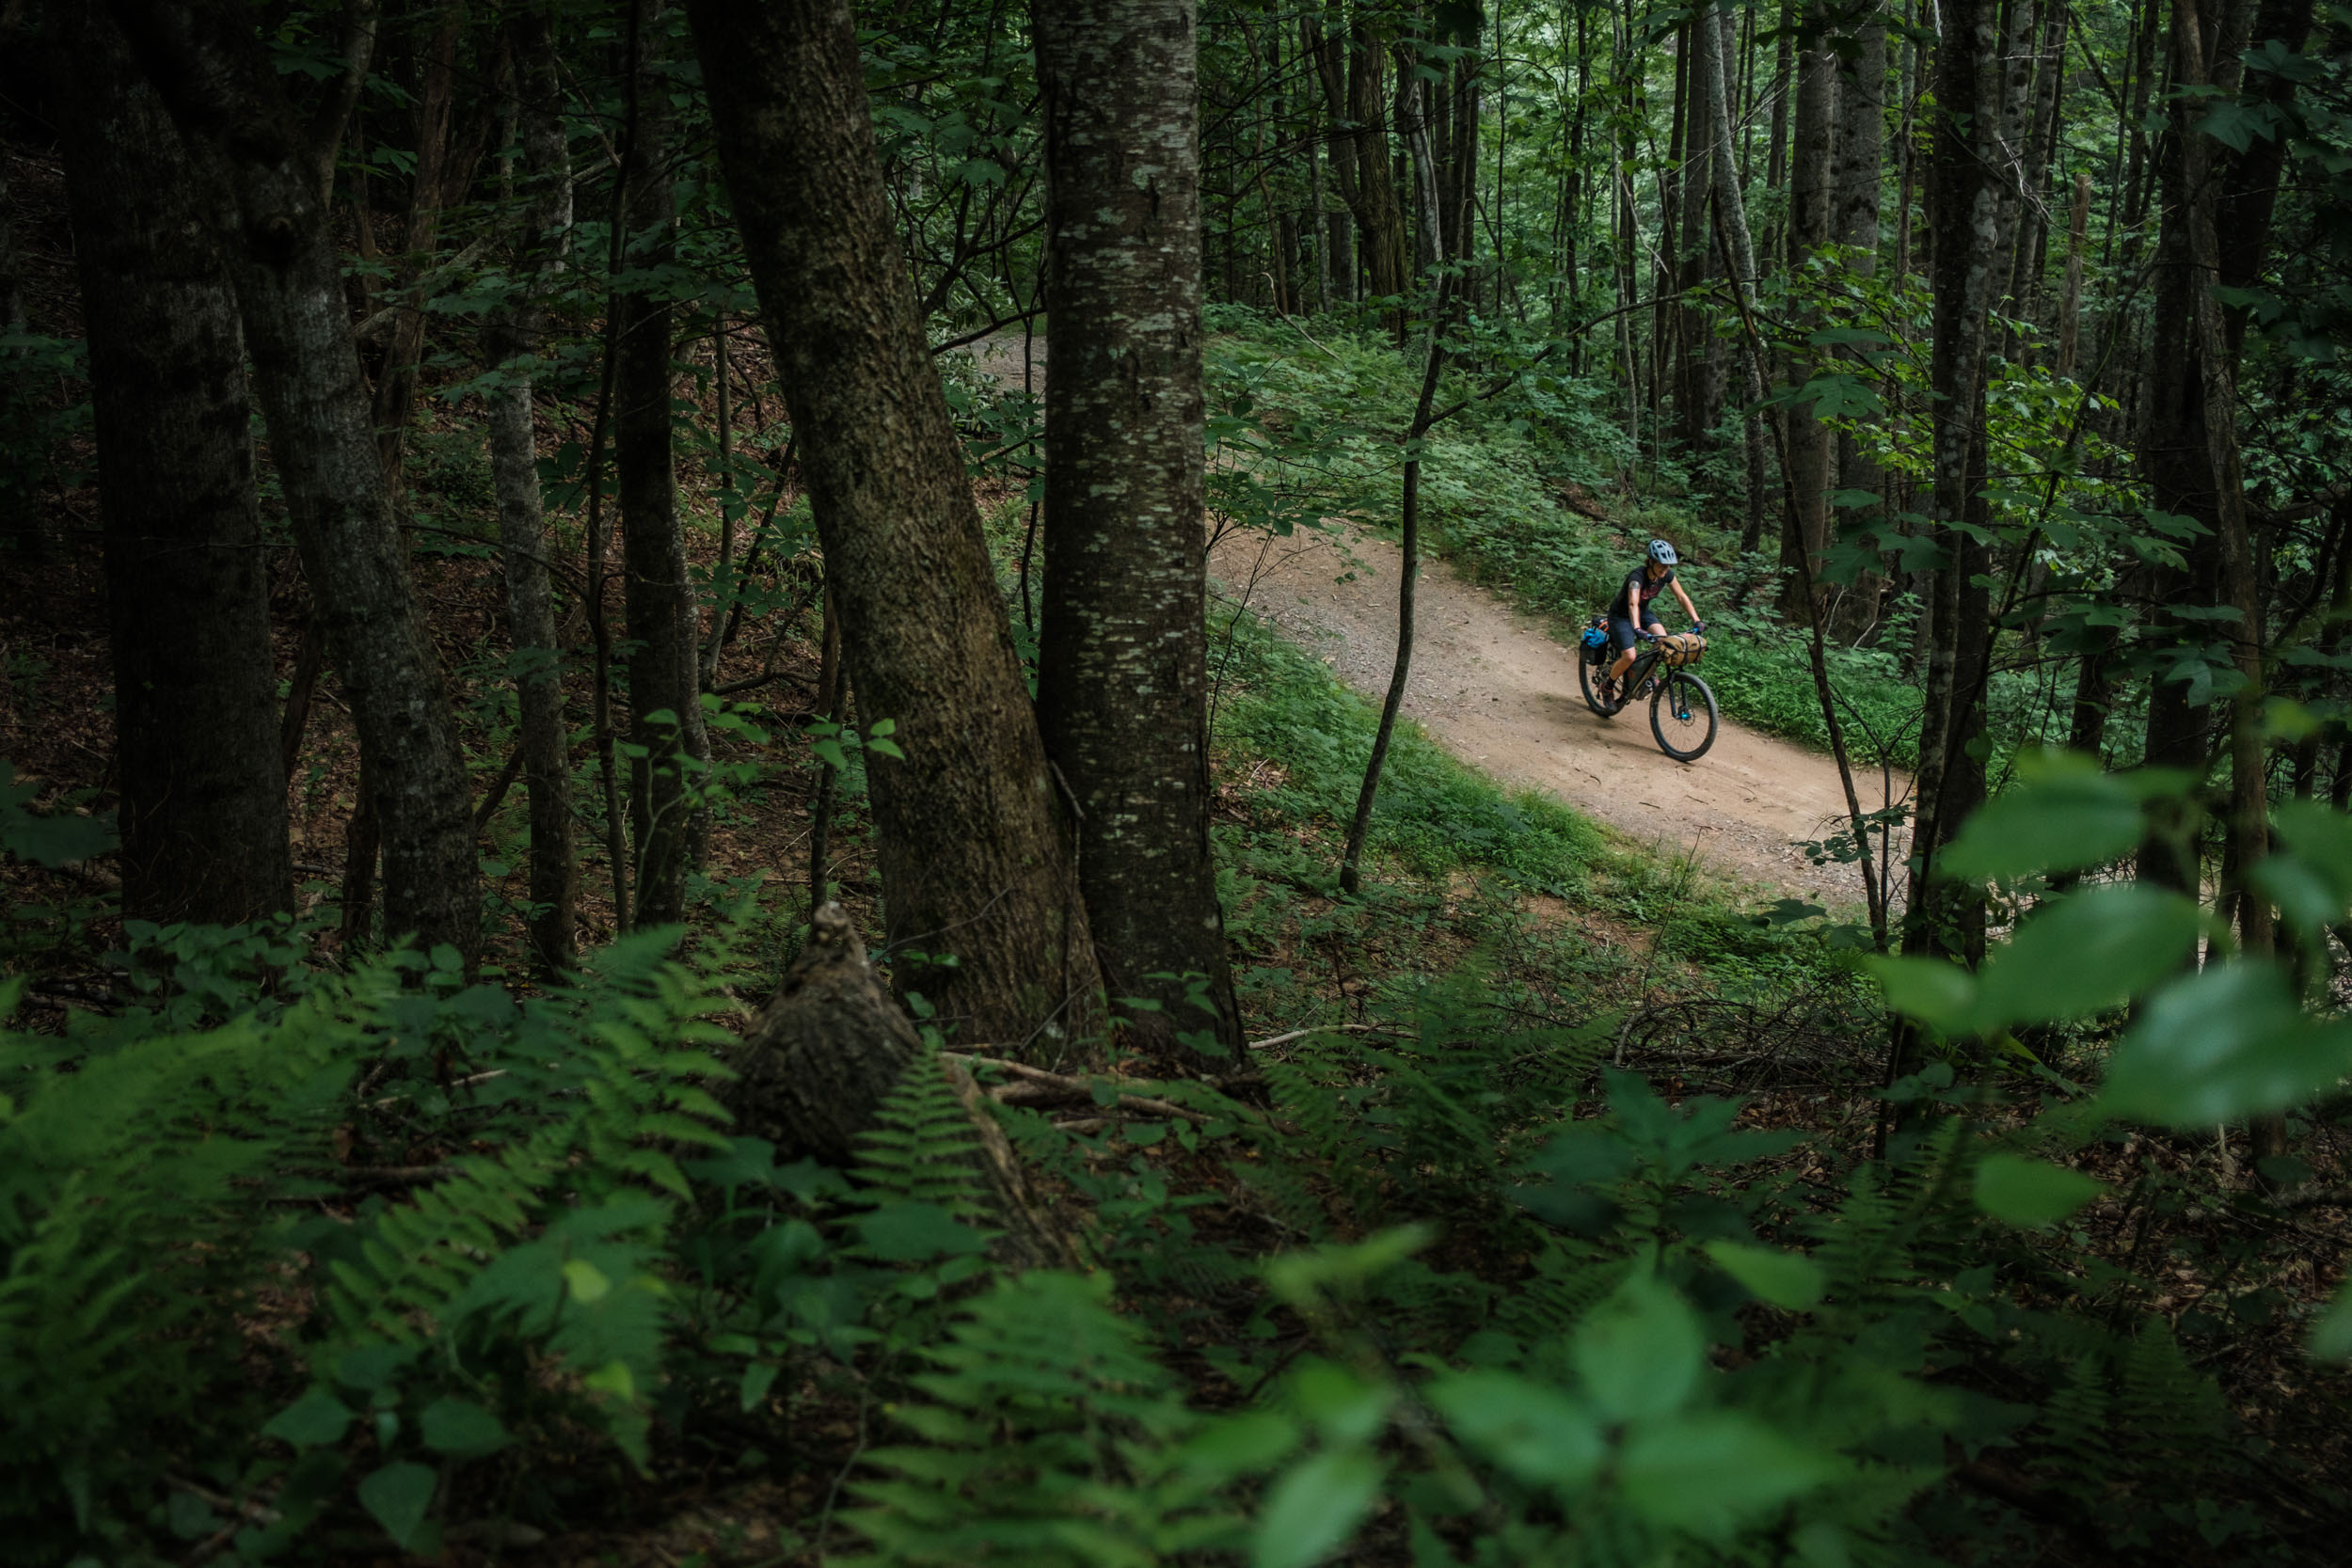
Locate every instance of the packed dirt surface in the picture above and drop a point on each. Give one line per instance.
(1493, 687)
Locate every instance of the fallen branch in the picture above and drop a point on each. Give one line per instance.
(1272, 1040)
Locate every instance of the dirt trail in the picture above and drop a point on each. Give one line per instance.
(1495, 690)
(1493, 687)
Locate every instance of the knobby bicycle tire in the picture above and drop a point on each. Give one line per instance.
(1588, 669)
(1676, 689)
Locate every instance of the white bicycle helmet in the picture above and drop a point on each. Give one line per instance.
(1663, 552)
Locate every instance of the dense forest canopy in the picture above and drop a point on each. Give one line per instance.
(678, 894)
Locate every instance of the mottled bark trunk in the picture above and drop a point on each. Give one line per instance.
(1967, 231)
(510, 343)
(1731, 212)
(1379, 216)
(666, 815)
(1412, 129)
(1698, 381)
(1123, 689)
(973, 860)
(1331, 68)
(1812, 190)
(224, 95)
(203, 814)
(1854, 223)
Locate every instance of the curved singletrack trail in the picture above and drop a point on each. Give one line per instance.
(1493, 687)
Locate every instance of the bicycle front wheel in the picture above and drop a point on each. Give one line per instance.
(1682, 716)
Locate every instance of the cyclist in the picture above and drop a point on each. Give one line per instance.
(1629, 610)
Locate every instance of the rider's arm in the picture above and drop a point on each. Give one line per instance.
(1688, 609)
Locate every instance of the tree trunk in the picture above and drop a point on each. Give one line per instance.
(510, 343)
(1123, 688)
(1854, 223)
(2070, 304)
(828, 1050)
(1379, 216)
(1323, 50)
(973, 860)
(429, 194)
(1407, 575)
(1968, 95)
(666, 730)
(1740, 245)
(1812, 195)
(203, 817)
(224, 95)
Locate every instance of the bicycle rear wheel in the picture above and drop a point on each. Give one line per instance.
(1682, 716)
(1591, 664)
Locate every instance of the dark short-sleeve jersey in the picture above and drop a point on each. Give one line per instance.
(1633, 600)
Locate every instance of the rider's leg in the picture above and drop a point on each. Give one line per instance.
(1621, 633)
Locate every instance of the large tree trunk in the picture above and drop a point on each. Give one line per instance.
(1805, 535)
(664, 683)
(1731, 214)
(974, 858)
(1379, 216)
(209, 64)
(1331, 68)
(203, 812)
(1700, 380)
(510, 341)
(1854, 223)
(1123, 689)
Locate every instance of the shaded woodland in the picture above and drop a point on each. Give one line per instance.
(658, 911)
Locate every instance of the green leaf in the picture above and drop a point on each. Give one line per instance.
(2070, 819)
(916, 1232)
(1345, 1408)
(2032, 1192)
(1936, 993)
(2331, 1337)
(399, 1496)
(758, 1378)
(588, 1283)
(1640, 1352)
(1238, 1444)
(2216, 1046)
(1311, 1512)
(315, 1420)
(2085, 954)
(1788, 1279)
(1537, 1432)
(1709, 1473)
(460, 1429)
(374, 1367)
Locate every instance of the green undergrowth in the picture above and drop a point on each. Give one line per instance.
(1433, 813)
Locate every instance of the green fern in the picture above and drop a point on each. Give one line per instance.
(1046, 1436)
(923, 1148)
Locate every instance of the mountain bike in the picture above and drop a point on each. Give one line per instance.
(1681, 706)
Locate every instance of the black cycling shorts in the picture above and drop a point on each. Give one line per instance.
(1622, 635)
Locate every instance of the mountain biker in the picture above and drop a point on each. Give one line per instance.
(1631, 609)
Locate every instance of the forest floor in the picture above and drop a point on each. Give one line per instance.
(1496, 688)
